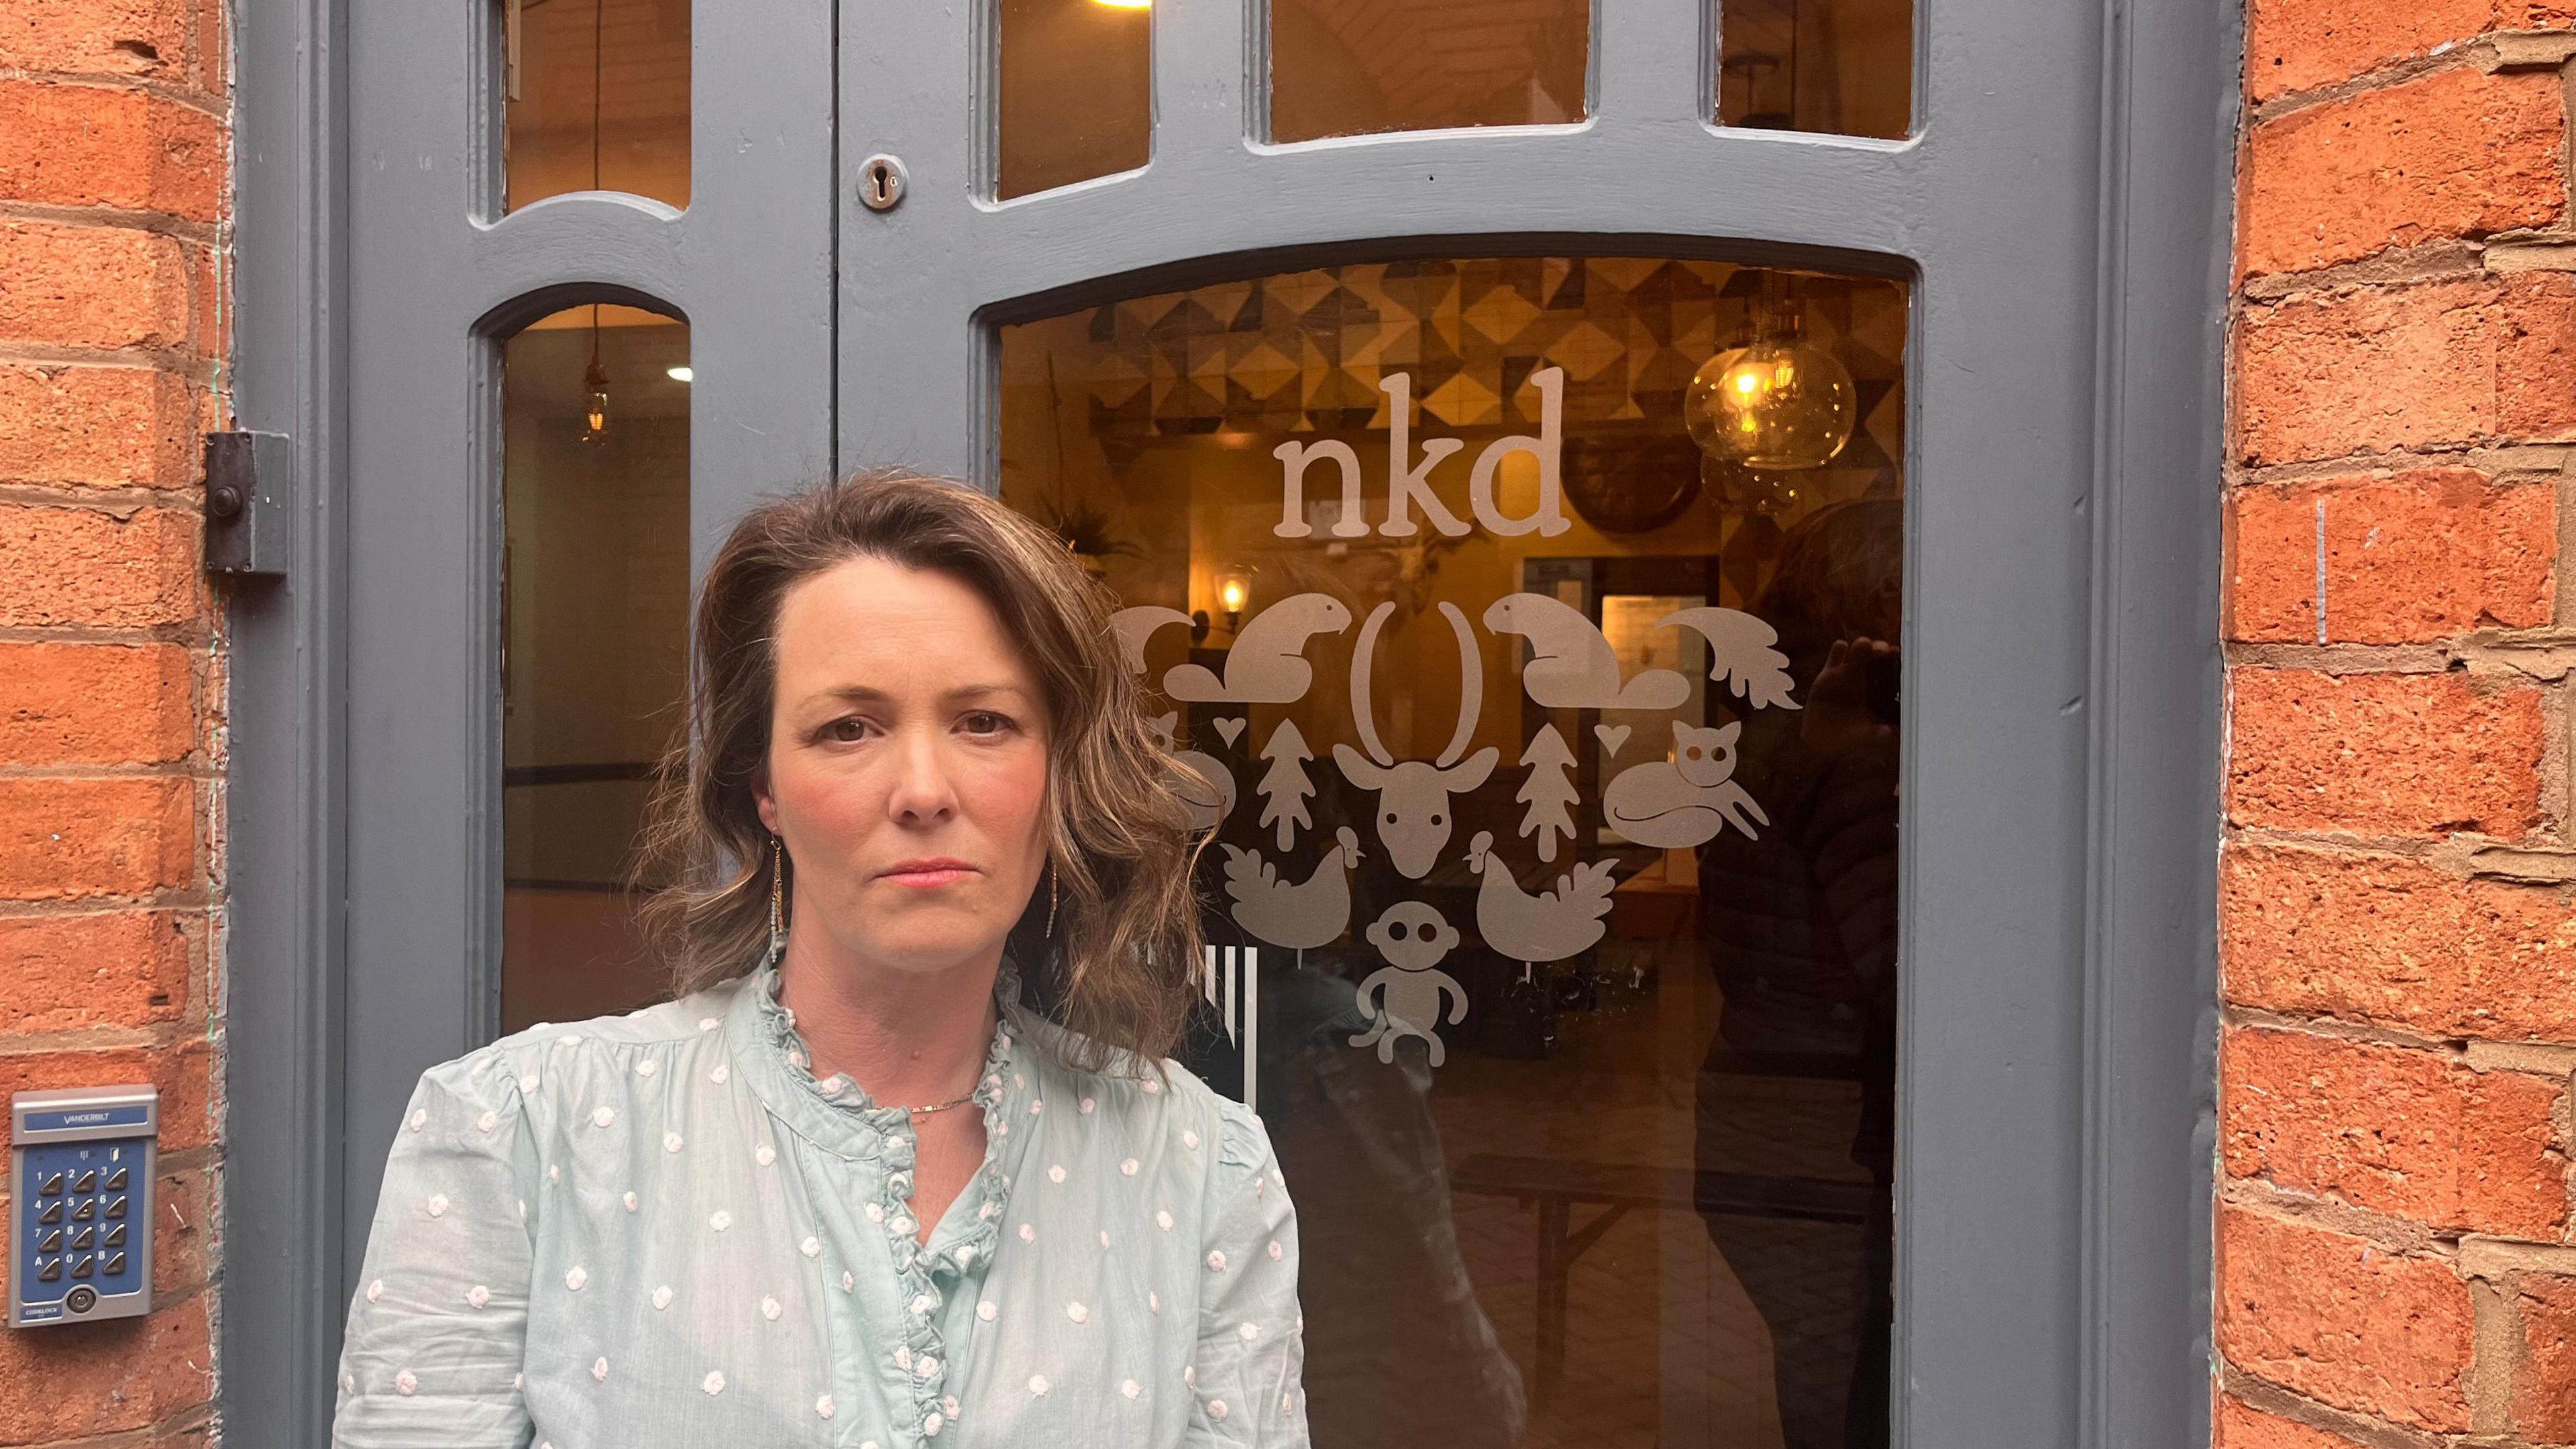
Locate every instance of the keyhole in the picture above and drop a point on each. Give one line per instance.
(880, 183)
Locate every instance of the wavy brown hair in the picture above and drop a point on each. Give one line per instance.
(1124, 969)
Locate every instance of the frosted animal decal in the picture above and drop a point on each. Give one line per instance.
(1267, 664)
(1686, 800)
(1574, 667)
(1202, 780)
(1740, 653)
(1294, 914)
(1414, 816)
(1549, 926)
(1406, 994)
(1134, 626)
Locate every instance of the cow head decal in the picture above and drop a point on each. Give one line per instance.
(1414, 815)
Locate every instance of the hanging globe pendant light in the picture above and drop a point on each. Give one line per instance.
(1779, 403)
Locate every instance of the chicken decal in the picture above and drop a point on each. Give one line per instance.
(1294, 914)
(1406, 995)
(1549, 926)
(1687, 800)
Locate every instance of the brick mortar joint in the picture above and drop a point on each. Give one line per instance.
(118, 218)
(213, 105)
(2400, 1237)
(2264, 1396)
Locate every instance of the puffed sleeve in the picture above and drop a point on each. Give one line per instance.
(1250, 1365)
(432, 1353)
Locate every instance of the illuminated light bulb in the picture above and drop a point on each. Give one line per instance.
(1233, 591)
(594, 381)
(1778, 404)
(681, 373)
(1124, 4)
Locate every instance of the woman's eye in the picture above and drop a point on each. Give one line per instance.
(846, 731)
(984, 722)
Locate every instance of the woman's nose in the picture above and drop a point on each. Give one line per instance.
(922, 792)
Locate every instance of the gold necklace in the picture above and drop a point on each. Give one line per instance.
(941, 1106)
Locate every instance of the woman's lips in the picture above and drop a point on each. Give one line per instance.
(926, 874)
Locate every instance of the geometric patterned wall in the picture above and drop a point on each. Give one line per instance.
(1302, 351)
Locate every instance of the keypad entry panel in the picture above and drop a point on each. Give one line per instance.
(80, 1217)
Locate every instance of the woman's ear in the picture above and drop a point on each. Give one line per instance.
(763, 801)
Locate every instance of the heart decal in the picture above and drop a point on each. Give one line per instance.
(1612, 736)
(1228, 729)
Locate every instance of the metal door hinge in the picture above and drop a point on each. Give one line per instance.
(250, 486)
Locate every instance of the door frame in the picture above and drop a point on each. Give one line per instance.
(2136, 1370)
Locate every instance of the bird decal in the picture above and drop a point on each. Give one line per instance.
(1296, 915)
(1573, 666)
(1267, 664)
(1132, 627)
(1549, 926)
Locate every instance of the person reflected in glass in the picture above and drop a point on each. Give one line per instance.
(850, 1187)
(1802, 921)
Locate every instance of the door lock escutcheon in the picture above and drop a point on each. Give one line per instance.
(881, 182)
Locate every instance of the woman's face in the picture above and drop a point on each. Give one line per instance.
(907, 767)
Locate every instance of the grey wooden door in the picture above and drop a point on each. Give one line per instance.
(439, 276)
(1991, 217)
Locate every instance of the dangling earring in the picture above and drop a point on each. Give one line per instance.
(777, 898)
(1054, 896)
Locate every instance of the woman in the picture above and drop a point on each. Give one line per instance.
(848, 1189)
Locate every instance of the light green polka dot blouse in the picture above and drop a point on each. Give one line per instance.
(661, 1230)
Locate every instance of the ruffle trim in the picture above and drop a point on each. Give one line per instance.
(927, 1271)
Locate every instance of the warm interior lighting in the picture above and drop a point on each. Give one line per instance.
(681, 373)
(1233, 591)
(1778, 403)
(1124, 4)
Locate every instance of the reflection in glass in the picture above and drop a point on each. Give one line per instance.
(1353, 67)
(1843, 66)
(594, 637)
(1554, 892)
(1075, 94)
(596, 98)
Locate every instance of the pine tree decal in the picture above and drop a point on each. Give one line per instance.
(1285, 786)
(1549, 791)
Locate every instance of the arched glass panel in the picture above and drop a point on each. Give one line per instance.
(596, 98)
(594, 638)
(1528, 626)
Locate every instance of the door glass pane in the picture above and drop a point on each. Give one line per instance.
(1543, 702)
(596, 96)
(1350, 67)
(594, 630)
(1076, 96)
(1845, 66)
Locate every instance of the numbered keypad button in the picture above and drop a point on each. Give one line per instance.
(51, 1212)
(87, 1181)
(115, 1264)
(115, 1236)
(52, 1186)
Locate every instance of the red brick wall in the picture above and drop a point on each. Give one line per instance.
(113, 184)
(2396, 1256)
